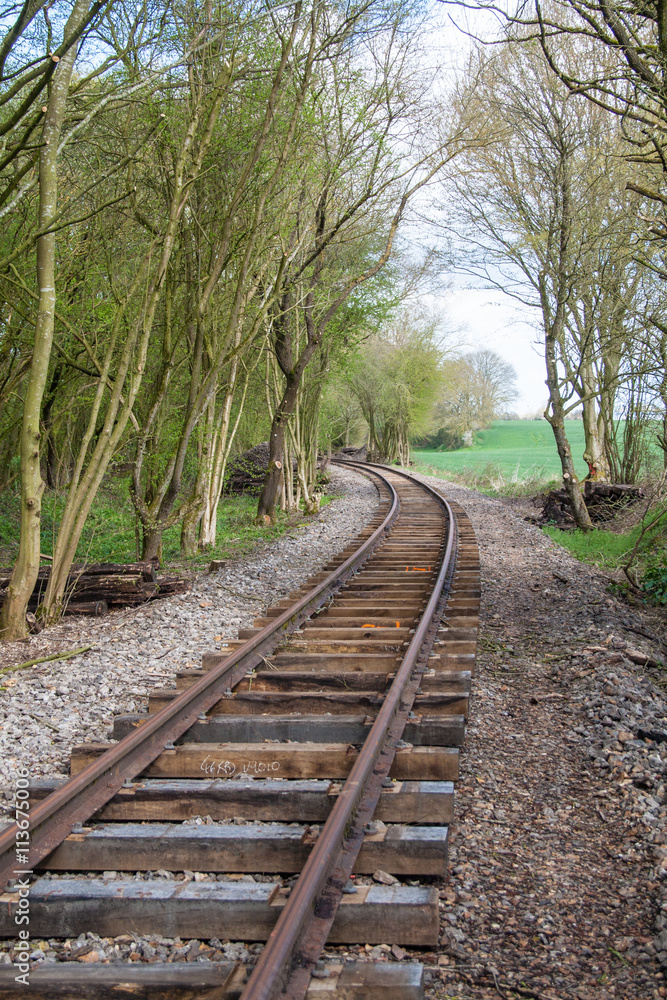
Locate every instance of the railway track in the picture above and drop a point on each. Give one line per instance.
(331, 728)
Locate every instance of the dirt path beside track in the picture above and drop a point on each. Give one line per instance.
(559, 852)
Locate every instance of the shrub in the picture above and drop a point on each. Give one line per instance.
(654, 582)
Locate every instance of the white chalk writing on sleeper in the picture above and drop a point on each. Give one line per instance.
(227, 768)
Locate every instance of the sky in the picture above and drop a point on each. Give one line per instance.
(488, 318)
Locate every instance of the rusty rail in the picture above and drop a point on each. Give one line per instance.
(284, 968)
(80, 797)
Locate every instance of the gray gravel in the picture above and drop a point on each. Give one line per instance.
(559, 852)
(48, 707)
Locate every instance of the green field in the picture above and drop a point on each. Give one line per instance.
(514, 449)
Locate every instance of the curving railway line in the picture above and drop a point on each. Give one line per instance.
(328, 733)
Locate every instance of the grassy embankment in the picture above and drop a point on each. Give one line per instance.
(519, 457)
(512, 456)
(109, 534)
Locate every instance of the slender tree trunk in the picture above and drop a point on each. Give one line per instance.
(662, 436)
(554, 324)
(595, 452)
(224, 440)
(555, 415)
(267, 501)
(24, 574)
(193, 516)
(189, 527)
(287, 480)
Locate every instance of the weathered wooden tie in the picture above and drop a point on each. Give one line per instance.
(255, 847)
(238, 911)
(356, 980)
(296, 801)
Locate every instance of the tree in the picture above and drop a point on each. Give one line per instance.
(545, 217)
(73, 106)
(382, 141)
(478, 386)
(622, 73)
(24, 573)
(397, 383)
(132, 328)
(235, 243)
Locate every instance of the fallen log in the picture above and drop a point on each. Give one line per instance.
(95, 609)
(146, 568)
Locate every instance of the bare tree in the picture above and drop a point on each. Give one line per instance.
(547, 220)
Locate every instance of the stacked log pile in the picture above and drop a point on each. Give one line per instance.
(353, 454)
(602, 500)
(246, 472)
(93, 589)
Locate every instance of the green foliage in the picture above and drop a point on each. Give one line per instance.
(477, 387)
(495, 480)
(397, 381)
(600, 547)
(654, 583)
(109, 534)
(237, 533)
(444, 439)
(641, 551)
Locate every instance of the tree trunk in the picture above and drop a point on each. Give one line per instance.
(593, 416)
(189, 534)
(557, 421)
(24, 575)
(595, 452)
(267, 501)
(224, 439)
(152, 544)
(554, 324)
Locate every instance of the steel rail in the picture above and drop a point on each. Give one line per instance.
(284, 967)
(54, 818)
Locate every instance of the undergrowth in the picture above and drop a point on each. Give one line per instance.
(640, 552)
(600, 547)
(110, 533)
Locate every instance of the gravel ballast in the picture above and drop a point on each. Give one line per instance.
(558, 863)
(48, 707)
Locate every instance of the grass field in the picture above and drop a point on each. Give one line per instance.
(514, 449)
